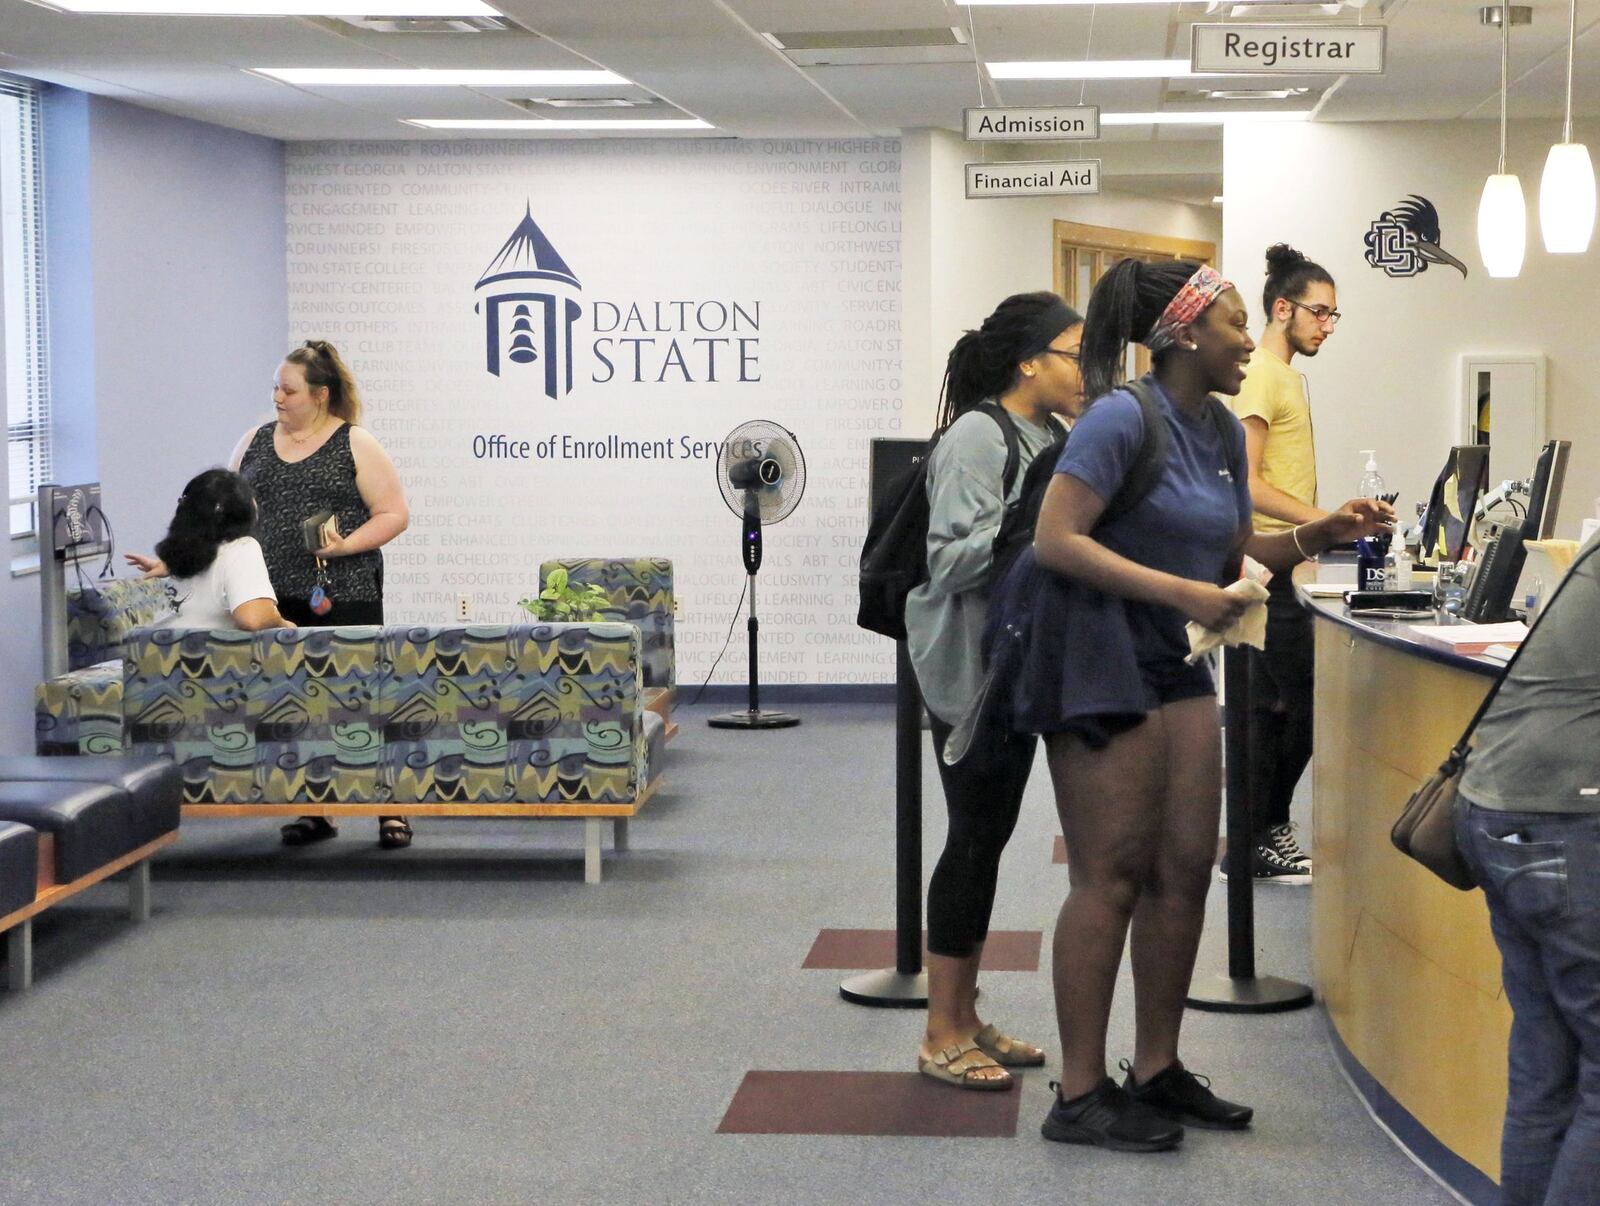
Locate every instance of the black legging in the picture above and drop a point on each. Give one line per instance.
(1282, 679)
(983, 795)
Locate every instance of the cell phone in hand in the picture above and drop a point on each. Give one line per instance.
(318, 529)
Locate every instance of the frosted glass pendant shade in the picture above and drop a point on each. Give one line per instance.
(1566, 199)
(1502, 225)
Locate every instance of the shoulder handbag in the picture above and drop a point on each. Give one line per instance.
(1426, 829)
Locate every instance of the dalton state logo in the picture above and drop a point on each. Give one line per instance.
(1406, 239)
(528, 299)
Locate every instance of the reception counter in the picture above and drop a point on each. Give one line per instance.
(1405, 966)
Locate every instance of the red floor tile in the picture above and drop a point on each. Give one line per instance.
(866, 1103)
(846, 950)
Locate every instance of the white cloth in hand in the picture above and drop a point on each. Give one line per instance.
(1249, 629)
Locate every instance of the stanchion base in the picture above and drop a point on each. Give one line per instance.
(1248, 994)
(887, 989)
(754, 720)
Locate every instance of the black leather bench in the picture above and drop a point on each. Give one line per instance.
(92, 818)
(19, 868)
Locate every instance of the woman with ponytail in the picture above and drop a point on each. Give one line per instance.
(1131, 729)
(1019, 368)
(219, 577)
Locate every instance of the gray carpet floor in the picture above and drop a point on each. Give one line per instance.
(466, 1021)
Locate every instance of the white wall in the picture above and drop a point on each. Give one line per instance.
(962, 257)
(1390, 377)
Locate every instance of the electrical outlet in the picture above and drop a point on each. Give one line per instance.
(463, 608)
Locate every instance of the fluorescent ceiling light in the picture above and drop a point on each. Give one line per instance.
(1083, 3)
(1092, 69)
(1191, 118)
(554, 123)
(279, 8)
(430, 77)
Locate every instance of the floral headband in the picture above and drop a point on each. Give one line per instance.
(1198, 292)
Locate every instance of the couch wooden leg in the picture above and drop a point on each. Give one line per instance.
(591, 850)
(619, 834)
(19, 957)
(139, 891)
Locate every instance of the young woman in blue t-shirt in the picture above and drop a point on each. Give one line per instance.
(1135, 755)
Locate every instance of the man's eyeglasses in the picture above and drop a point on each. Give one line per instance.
(1324, 315)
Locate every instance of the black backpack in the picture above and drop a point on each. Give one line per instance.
(894, 558)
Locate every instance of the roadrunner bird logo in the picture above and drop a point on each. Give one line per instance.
(1405, 240)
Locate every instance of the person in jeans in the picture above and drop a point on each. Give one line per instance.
(1528, 823)
(1131, 727)
(1023, 358)
(1275, 407)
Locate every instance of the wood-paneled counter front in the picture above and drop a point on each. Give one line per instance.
(1405, 966)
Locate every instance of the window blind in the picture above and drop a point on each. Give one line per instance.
(22, 288)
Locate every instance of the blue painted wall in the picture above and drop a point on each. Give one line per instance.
(168, 284)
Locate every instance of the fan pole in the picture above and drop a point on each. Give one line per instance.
(753, 717)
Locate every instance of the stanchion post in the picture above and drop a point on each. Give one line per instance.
(1241, 990)
(905, 986)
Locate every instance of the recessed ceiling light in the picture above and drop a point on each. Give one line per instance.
(431, 77)
(277, 8)
(1182, 118)
(537, 125)
(1091, 69)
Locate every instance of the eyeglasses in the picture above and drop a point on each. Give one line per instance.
(1072, 356)
(1323, 314)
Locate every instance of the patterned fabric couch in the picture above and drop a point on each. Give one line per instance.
(523, 720)
(641, 594)
(84, 706)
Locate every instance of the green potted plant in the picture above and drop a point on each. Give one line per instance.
(563, 602)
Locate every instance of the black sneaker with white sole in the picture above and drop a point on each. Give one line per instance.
(1282, 839)
(1180, 1095)
(1268, 866)
(1108, 1116)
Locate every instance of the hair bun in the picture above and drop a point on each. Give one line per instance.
(1282, 258)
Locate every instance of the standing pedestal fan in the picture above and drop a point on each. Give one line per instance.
(761, 474)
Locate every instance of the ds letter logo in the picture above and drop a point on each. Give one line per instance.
(528, 299)
(1406, 239)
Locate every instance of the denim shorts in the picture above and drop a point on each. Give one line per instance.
(1167, 681)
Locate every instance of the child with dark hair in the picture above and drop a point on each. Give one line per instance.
(1018, 368)
(219, 576)
(1133, 749)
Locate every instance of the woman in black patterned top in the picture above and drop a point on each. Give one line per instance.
(314, 457)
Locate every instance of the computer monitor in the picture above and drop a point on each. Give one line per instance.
(1544, 493)
(1447, 523)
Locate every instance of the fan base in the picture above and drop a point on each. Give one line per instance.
(754, 719)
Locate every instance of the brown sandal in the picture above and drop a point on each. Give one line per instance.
(394, 833)
(1005, 1050)
(955, 1065)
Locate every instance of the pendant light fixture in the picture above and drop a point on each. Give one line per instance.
(1566, 191)
(1502, 213)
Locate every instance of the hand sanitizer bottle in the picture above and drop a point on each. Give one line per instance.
(1371, 482)
(1397, 566)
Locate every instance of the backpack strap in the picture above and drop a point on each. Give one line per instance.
(1151, 460)
(1218, 412)
(1008, 428)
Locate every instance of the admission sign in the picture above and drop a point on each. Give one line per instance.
(1062, 123)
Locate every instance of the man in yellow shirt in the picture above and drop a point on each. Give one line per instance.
(1300, 305)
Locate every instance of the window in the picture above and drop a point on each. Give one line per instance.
(23, 332)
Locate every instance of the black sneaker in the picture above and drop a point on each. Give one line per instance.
(1283, 841)
(1269, 867)
(1109, 1117)
(1180, 1095)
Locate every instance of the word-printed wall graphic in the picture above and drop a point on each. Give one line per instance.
(552, 339)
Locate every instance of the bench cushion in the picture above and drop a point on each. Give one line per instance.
(19, 866)
(92, 822)
(154, 784)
